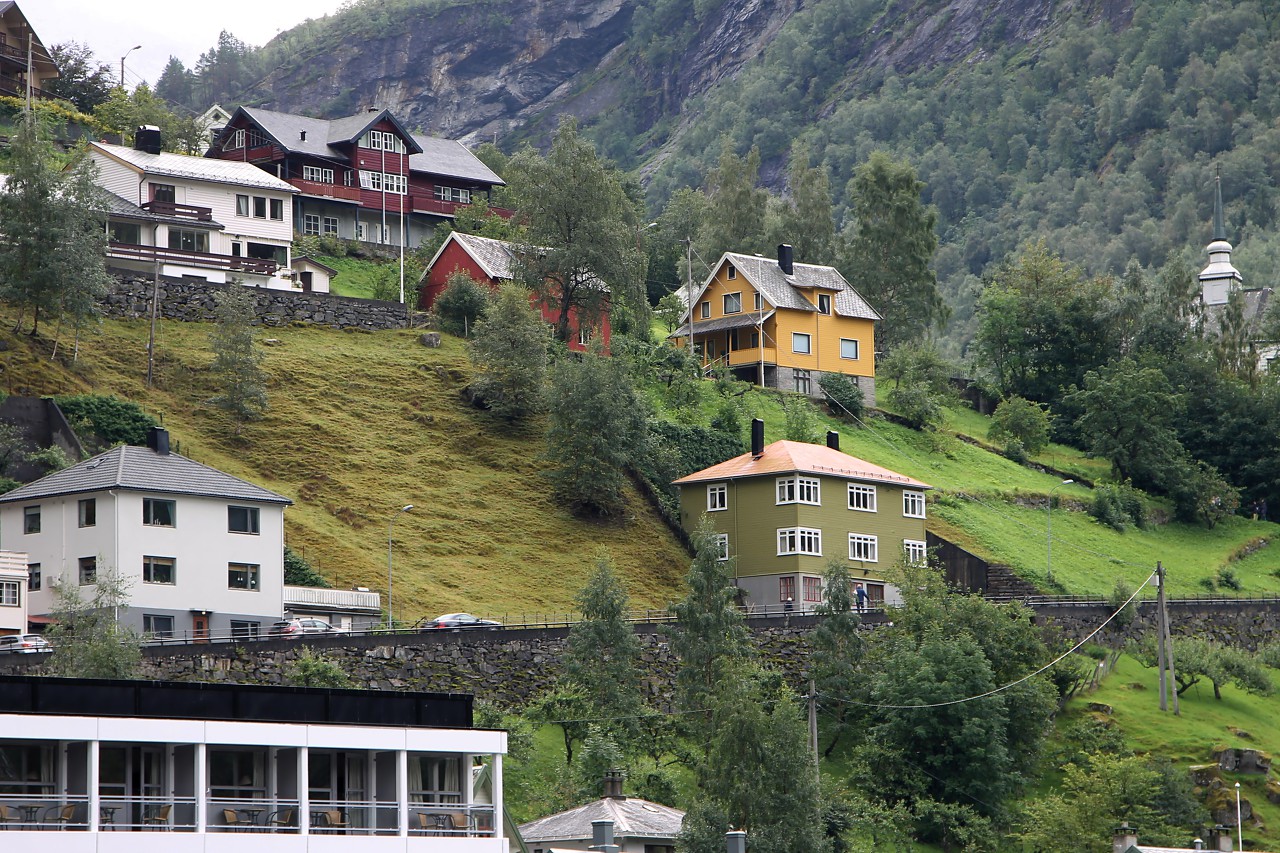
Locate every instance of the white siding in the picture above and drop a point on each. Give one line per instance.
(115, 177)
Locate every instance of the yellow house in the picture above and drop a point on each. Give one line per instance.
(783, 325)
(18, 42)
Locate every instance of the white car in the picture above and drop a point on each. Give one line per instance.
(27, 644)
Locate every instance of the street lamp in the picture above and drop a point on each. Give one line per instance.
(123, 58)
(1239, 822)
(391, 619)
(1048, 561)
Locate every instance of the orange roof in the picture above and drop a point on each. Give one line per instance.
(786, 457)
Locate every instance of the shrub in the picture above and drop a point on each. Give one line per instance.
(801, 421)
(299, 572)
(1018, 420)
(1119, 595)
(1118, 506)
(1227, 579)
(1208, 584)
(112, 420)
(462, 301)
(844, 396)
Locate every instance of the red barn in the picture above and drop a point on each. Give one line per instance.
(492, 262)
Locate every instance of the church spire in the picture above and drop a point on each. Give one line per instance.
(1219, 278)
(1219, 226)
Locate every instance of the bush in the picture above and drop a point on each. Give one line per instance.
(801, 421)
(1227, 579)
(1119, 595)
(844, 396)
(112, 420)
(1118, 506)
(462, 301)
(1022, 422)
(299, 572)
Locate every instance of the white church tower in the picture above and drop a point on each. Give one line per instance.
(1219, 279)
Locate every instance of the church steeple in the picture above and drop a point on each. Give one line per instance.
(1219, 278)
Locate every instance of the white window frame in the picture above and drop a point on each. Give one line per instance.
(799, 490)
(35, 577)
(864, 547)
(804, 339)
(30, 513)
(458, 195)
(759, 301)
(862, 498)
(242, 205)
(915, 552)
(717, 497)
(311, 223)
(398, 184)
(87, 512)
(276, 209)
(149, 504)
(253, 520)
(10, 594)
(235, 141)
(856, 348)
(804, 381)
(731, 272)
(317, 174)
(88, 570)
(824, 303)
(329, 225)
(804, 541)
(722, 547)
(733, 303)
(150, 627)
(913, 503)
(705, 309)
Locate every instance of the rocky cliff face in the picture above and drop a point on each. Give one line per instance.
(479, 71)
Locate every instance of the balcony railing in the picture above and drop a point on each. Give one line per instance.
(338, 192)
(343, 598)
(132, 251)
(173, 208)
(430, 204)
(13, 86)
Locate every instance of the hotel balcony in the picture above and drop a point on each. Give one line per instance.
(336, 192)
(238, 263)
(163, 766)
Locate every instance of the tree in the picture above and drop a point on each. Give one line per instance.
(837, 647)
(890, 253)
(122, 112)
(800, 419)
(52, 245)
(1021, 426)
(316, 670)
(597, 425)
(1198, 658)
(734, 220)
(603, 658)
(237, 360)
(82, 79)
(175, 83)
(921, 384)
(88, 640)
(509, 352)
(461, 303)
(583, 252)
(299, 572)
(806, 219)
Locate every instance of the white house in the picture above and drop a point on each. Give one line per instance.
(637, 826)
(217, 220)
(156, 767)
(13, 593)
(201, 551)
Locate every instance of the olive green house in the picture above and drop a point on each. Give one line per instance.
(784, 510)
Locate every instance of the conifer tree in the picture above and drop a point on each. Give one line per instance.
(237, 361)
(510, 355)
(837, 648)
(736, 206)
(807, 222)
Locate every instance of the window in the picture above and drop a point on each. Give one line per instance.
(185, 240)
(804, 382)
(159, 513)
(732, 272)
(584, 336)
(317, 174)
(88, 511)
(913, 504)
(242, 205)
(705, 308)
(722, 546)
(786, 589)
(381, 140)
(260, 207)
(804, 490)
(10, 594)
(717, 497)
(800, 342)
(799, 540)
(824, 303)
(234, 141)
(88, 570)
(34, 578)
(862, 498)
(31, 519)
(863, 548)
(129, 233)
(242, 576)
(812, 589)
(733, 303)
(453, 194)
(245, 629)
(277, 208)
(331, 225)
(310, 223)
(257, 138)
(370, 180)
(164, 192)
(759, 302)
(242, 519)
(158, 570)
(395, 183)
(848, 348)
(915, 552)
(157, 626)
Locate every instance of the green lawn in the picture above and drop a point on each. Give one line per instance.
(356, 277)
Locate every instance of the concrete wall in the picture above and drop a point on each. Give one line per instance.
(130, 298)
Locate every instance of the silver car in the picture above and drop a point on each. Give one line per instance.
(27, 644)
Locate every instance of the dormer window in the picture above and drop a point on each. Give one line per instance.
(731, 272)
(824, 303)
(759, 302)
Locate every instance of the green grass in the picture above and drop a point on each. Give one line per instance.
(1240, 720)
(355, 277)
(360, 425)
(1069, 460)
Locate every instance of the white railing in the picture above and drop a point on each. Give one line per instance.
(158, 814)
(345, 598)
(241, 814)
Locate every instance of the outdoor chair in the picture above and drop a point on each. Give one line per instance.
(458, 823)
(333, 820)
(283, 818)
(61, 815)
(232, 820)
(7, 816)
(159, 817)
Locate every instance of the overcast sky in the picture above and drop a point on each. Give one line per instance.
(164, 28)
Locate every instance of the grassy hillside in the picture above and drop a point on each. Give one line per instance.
(360, 425)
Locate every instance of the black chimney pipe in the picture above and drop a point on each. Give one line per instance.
(158, 440)
(785, 258)
(147, 139)
(757, 438)
(833, 439)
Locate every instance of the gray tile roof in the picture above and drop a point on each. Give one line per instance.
(140, 469)
(781, 290)
(631, 818)
(119, 207)
(498, 257)
(170, 165)
(443, 157)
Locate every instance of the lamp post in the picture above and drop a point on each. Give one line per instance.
(123, 58)
(1239, 822)
(391, 619)
(1048, 560)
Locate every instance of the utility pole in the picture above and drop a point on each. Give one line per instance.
(813, 721)
(688, 244)
(1160, 656)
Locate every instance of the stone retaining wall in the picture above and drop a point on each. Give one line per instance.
(190, 300)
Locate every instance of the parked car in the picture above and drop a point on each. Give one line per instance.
(27, 644)
(456, 620)
(302, 625)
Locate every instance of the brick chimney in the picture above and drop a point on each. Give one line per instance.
(1124, 839)
(613, 785)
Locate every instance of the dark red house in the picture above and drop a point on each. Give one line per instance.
(492, 262)
(362, 177)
